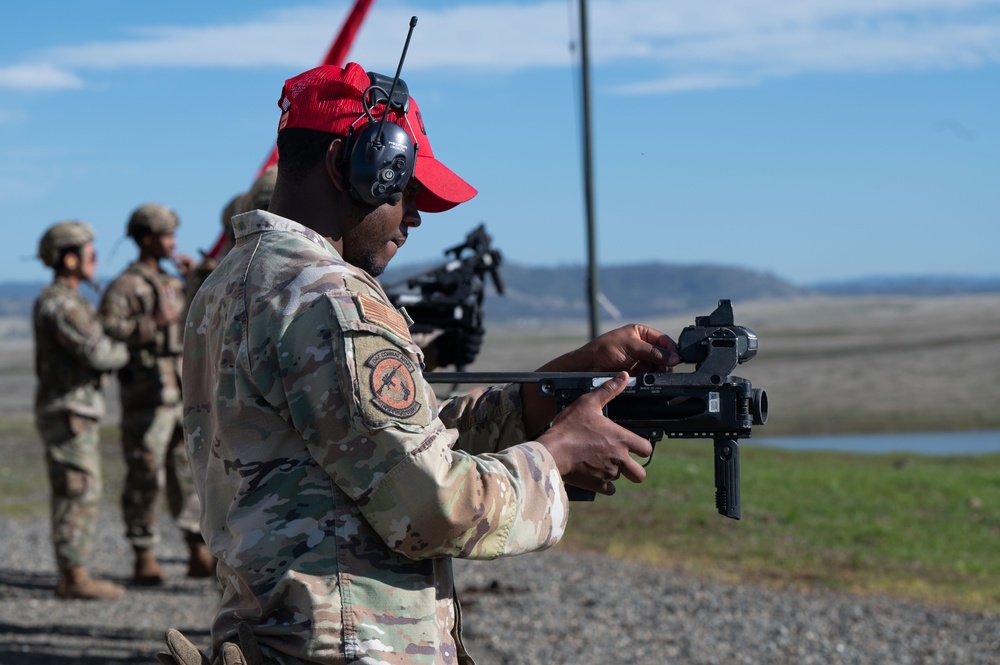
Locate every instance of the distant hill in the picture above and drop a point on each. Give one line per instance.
(637, 291)
(16, 298)
(911, 286)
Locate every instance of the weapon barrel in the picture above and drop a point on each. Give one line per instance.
(508, 377)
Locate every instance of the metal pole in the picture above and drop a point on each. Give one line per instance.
(588, 187)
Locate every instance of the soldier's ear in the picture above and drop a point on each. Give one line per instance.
(334, 161)
(70, 261)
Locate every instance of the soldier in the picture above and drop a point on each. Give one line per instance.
(196, 277)
(440, 348)
(72, 358)
(144, 307)
(335, 490)
(258, 197)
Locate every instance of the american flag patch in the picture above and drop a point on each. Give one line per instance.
(373, 311)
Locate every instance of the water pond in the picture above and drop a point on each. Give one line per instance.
(924, 443)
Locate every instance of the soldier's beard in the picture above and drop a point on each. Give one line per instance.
(364, 244)
(370, 263)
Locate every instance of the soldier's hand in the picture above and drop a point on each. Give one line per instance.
(634, 348)
(185, 264)
(165, 312)
(591, 451)
(459, 347)
(163, 317)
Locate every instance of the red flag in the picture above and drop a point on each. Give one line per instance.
(335, 56)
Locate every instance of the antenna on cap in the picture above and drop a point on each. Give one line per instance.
(382, 155)
(377, 143)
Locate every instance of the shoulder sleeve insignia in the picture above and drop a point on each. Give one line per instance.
(380, 314)
(392, 386)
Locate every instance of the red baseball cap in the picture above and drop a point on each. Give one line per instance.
(328, 99)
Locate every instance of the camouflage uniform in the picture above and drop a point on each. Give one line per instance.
(72, 356)
(152, 439)
(335, 491)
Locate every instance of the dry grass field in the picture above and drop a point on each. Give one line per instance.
(829, 365)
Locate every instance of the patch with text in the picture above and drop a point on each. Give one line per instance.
(393, 390)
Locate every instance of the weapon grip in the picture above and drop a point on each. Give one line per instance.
(727, 477)
(497, 281)
(579, 494)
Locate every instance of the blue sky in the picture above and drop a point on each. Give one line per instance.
(813, 139)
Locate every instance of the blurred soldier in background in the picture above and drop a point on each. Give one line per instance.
(257, 198)
(72, 357)
(144, 307)
(201, 271)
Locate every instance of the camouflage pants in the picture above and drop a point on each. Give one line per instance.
(156, 460)
(73, 459)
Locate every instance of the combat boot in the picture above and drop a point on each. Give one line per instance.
(201, 562)
(147, 569)
(76, 583)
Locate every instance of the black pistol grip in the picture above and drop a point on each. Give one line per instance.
(579, 494)
(727, 477)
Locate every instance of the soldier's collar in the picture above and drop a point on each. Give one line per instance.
(260, 221)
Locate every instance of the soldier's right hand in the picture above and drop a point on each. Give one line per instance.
(162, 318)
(591, 451)
(164, 315)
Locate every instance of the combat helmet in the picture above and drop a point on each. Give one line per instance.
(151, 219)
(60, 237)
(259, 196)
(233, 207)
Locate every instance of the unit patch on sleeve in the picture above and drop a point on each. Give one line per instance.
(391, 381)
(389, 389)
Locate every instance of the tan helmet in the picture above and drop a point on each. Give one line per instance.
(232, 208)
(259, 196)
(151, 218)
(60, 237)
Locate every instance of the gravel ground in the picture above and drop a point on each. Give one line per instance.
(553, 608)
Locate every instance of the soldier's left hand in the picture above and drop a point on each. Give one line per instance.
(634, 348)
(185, 264)
(459, 347)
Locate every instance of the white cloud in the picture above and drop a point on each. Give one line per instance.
(692, 44)
(685, 83)
(38, 76)
(497, 37)
(730, 43)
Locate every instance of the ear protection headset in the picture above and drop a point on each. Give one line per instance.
(379, 158)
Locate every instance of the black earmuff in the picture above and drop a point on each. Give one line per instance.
(380, 156)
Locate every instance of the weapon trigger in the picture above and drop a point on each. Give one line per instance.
(654, 437)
